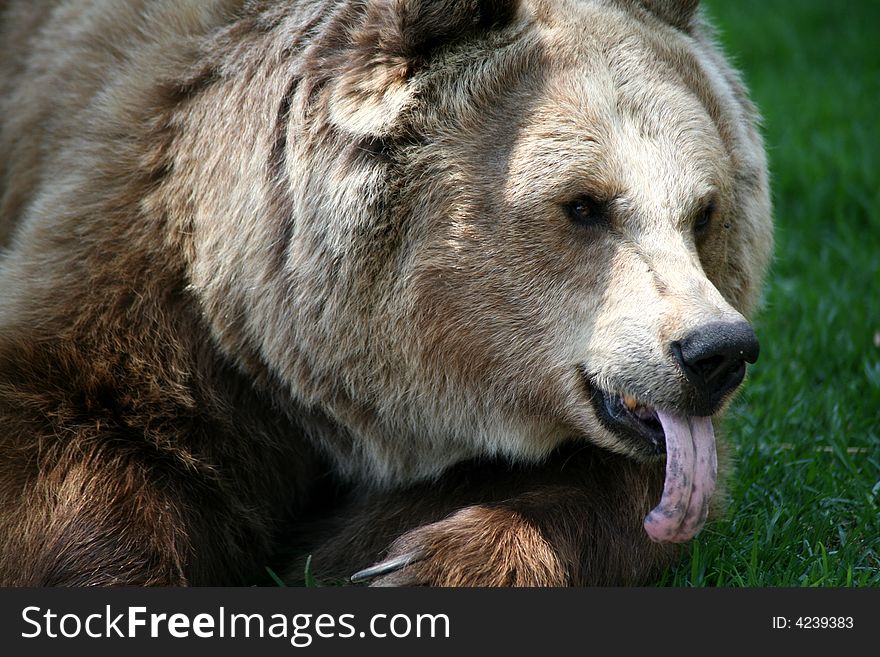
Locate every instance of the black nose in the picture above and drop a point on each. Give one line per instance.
(714, 357)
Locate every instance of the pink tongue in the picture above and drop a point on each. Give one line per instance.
(691, 467)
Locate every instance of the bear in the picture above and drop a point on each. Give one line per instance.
(446, 293)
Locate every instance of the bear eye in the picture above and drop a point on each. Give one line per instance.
(586, 211)
(704, 219)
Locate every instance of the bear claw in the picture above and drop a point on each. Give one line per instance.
(387, 567)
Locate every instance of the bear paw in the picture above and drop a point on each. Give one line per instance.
(475, 546)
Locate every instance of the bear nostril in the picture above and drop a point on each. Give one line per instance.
(713, 356)
(712, 367)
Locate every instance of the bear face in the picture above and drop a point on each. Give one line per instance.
(598, 230)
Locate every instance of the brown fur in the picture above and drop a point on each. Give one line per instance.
(272, 260)
(574, 522)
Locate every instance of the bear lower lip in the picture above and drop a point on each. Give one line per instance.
(635, 424)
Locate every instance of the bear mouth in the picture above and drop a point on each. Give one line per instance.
(632, 422)
(688, 443)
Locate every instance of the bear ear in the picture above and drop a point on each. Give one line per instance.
(412, 28)
(388, 43)
(678, 13)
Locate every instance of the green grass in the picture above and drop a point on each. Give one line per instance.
(805, 499)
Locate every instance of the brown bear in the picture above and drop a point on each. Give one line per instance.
(455, 289)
